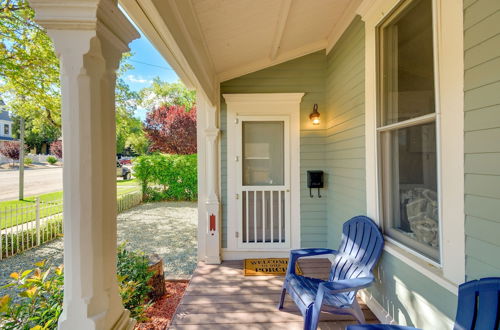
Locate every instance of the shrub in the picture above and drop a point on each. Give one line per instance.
(41, 292)
(133, 276)
(167, 177)
(28, 161)
(56, 148)
(51, 160)
(10, 150)
(40, 302)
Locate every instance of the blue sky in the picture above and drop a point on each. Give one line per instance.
(148, 63)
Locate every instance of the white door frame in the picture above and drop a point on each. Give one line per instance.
(269, 104)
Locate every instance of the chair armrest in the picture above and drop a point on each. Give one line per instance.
(352, 284)
(299, 253)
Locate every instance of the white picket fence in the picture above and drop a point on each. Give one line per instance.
(26, 226)
(23, 227)
(127, 201)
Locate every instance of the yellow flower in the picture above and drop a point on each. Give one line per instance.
(4, 303)
(30, 292)
(59, 270)
(40, 263)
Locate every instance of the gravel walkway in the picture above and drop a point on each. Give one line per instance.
(165, 228)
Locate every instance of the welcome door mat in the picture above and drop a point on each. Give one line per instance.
(267, 266)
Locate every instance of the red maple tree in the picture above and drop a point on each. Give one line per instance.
(172, 130)
(56, 148)
(10, 150)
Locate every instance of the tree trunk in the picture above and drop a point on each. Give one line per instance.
(157, 281)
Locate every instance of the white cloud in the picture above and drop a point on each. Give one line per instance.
(138, 79)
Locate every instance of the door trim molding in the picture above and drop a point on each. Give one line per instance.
(265, 104)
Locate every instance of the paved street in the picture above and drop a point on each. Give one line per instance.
(36, 181)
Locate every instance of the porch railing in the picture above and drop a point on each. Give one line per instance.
(23, 227)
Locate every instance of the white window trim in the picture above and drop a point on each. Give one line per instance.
(2, 123)
(270, 104)
(449, 50)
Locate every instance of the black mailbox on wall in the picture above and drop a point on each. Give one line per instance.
(315, 180)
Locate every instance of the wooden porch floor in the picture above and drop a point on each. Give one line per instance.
(220, 297)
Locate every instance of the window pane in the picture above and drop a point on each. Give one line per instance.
(410, 187)
(263, 153)
(407, 64)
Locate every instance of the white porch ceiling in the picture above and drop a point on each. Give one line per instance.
(245, 35)
(224, 39)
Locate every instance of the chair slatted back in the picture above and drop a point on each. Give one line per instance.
(359, 250)
(478, 305)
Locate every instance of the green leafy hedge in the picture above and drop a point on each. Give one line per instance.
(167, 177)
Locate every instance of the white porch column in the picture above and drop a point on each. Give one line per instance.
(90, 37)
(209, 224)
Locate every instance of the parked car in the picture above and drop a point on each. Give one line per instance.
(123, 171)
(125, 161)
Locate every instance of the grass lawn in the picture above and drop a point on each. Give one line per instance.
(17, 212)
(132, 182)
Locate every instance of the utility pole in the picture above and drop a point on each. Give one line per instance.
(21, 160)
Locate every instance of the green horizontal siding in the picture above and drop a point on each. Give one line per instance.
(345, 131)
(302, 75)
(410, 297)
(482, 137)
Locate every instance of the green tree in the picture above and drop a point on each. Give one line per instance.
(129, 134)
(29, 83)
(162, 93)
(29, 68)
(35, 135)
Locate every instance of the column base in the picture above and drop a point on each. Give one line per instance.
(125, 322)
(213, 260)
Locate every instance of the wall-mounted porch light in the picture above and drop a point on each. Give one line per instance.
(314, 116)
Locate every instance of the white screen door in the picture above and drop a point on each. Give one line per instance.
(263, 186)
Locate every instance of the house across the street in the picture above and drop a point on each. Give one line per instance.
(5, 124)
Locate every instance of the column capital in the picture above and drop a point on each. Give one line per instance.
(89, 16)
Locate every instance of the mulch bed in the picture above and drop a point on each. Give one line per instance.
(161, 312)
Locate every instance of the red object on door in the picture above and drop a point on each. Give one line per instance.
(212, 223)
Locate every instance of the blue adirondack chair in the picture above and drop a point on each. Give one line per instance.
(361, 245)
(379, 327)
(478, 308)
(478, 305)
